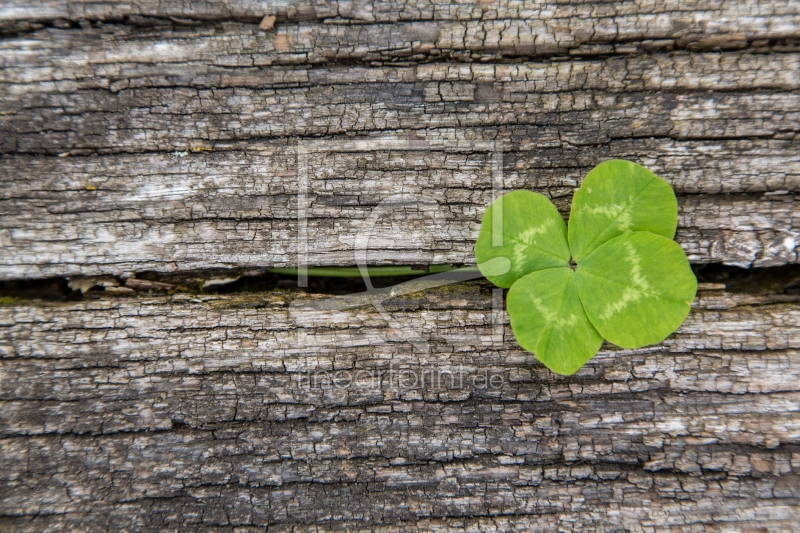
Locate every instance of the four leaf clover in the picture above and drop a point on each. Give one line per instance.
(615, 274)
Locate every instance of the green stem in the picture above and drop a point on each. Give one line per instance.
(374, 272)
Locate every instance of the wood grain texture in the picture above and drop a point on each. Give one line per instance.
(147, 102)
(184, 96)
(248, 410)
(200, 89)
(126, 213)
(163, 136)
(366, 30)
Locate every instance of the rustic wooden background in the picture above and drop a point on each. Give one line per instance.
(148, 141)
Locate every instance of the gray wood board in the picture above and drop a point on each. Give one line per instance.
(365, 30)
(255, 410)
(165, 136)
(238, 209)
(552, 120)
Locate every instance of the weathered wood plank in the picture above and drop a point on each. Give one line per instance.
(238, 209)
(178, 119)
(83, 59)
(558, 495)
(163, 342)
(566, 103)
(557, 109)
(657, 501)
(461, 30)
(701, 14)
(192, 403)
(197, 64)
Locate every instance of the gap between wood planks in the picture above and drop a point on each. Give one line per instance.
(781, 280)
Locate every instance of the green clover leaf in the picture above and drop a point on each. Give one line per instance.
(617, 197)
(548, 319)
(530, 233)
(614, 274)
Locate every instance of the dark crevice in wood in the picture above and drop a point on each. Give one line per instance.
(772, 280)
(386, 88)
(19, 28)
(47, 289)
(780, 280)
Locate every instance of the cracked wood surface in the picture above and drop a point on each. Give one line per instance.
(239, 208)
(369, 30)
(109, 89)
(163, 135)
(248, 410)
(176, 93)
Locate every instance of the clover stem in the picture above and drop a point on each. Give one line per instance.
(572, 264)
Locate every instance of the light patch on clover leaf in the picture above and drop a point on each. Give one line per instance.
(548, 319)
(624, 197)
(617, 213)
(636, 288)
(549, 313)
(566, 322)
(635, 262)
(534, 236)
(629, 295)
(608, 211)
(528, 239)
(529, 235)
